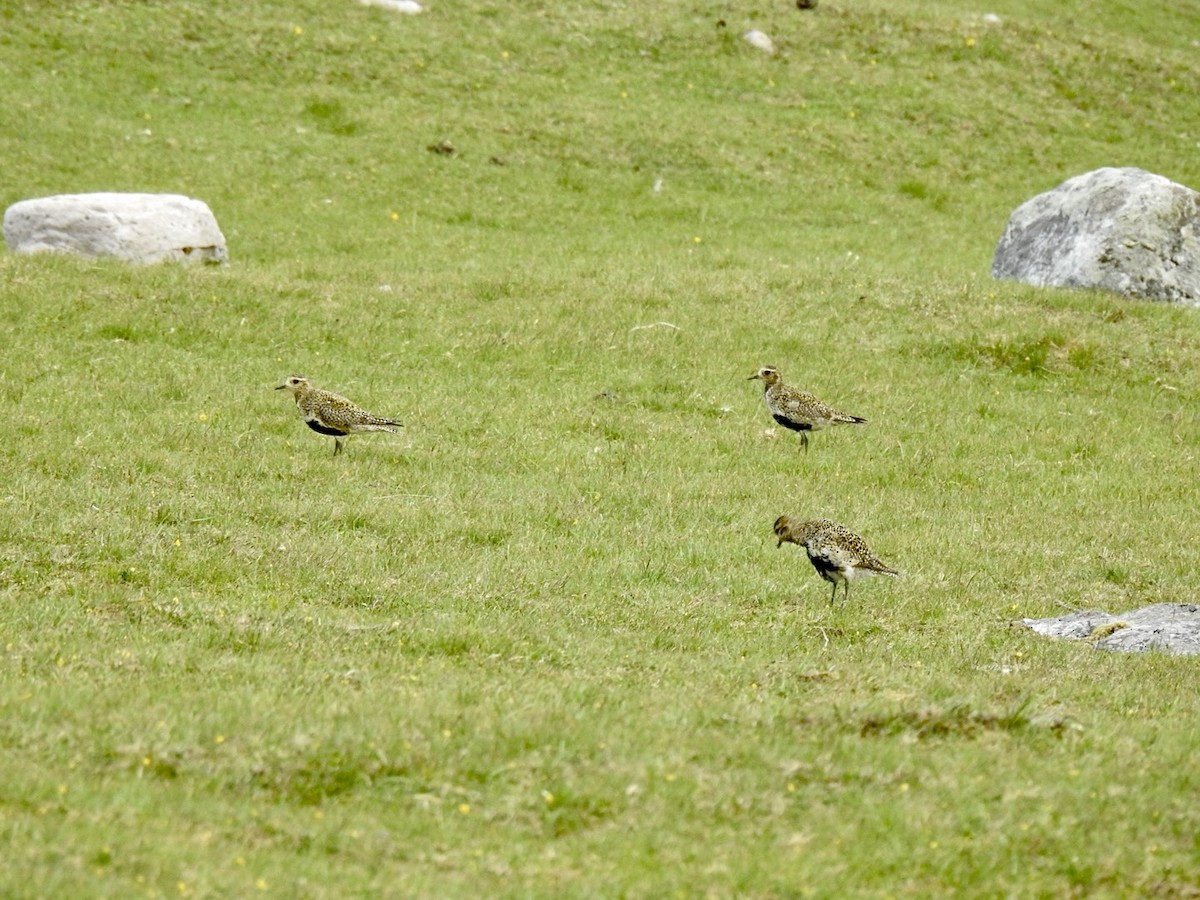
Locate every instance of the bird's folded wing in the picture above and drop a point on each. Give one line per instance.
(339, 415)
(801, 401)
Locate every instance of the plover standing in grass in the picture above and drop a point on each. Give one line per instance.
(798, 410)
(328, 413)
(837, 553)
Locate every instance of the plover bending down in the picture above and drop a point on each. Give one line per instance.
(328, 413)
(796, 409)
(837, 553)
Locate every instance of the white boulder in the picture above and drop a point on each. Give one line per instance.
(759, 39)
(1167, 627)
(143, 228)
(401, 6)
(1125, 230)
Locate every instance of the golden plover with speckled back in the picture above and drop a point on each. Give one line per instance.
(798, 410)
(328, 413)
(837, 553)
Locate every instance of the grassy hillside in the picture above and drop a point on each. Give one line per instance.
(542, 644)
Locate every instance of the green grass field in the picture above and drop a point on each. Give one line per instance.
(542, 644)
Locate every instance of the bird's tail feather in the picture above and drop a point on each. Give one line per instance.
(874, 567)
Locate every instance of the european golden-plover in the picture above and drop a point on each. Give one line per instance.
(328, 413)
(837, 553)
(798, 410)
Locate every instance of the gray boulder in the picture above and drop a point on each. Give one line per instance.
(1169, 627)
(1123, 230)
(143, 228)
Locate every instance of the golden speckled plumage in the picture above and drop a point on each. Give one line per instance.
(796, 409)
(332, 414)
(837, 553)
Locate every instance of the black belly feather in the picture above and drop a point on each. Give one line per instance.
(788, 423)
(321, 428)
(824, 567)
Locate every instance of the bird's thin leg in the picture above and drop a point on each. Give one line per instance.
(833, 596)
(337, 446)
(804, 441)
